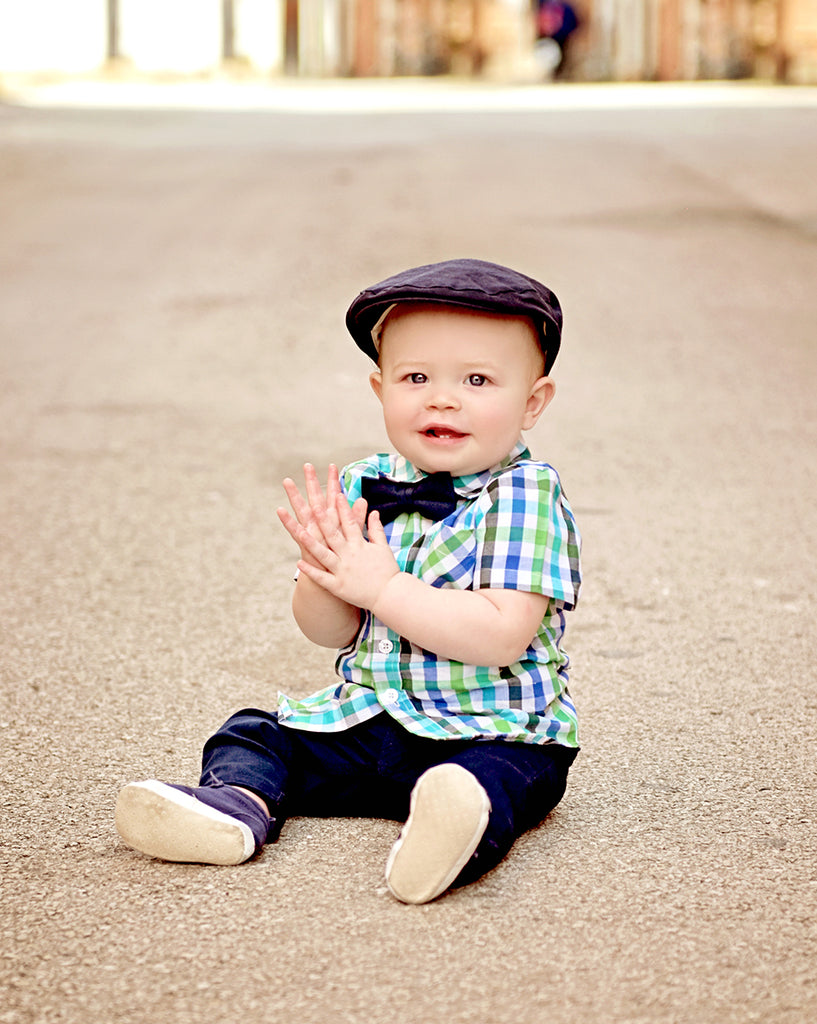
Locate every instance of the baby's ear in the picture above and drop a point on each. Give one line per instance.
(376, 381)
(540, 397)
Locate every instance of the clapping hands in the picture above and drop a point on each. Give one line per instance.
(334, 552)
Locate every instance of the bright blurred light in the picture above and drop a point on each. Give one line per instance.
(53, 35)
(180, 36)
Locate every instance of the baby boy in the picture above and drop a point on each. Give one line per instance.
(441, 574)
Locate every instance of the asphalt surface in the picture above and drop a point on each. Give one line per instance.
(171, 333)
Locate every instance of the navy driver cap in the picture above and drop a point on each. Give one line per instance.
(473, 284)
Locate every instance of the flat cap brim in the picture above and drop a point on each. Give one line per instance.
(474, 284)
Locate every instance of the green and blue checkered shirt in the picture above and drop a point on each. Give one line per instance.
(513, 529)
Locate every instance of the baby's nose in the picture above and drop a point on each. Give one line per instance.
(443, 398)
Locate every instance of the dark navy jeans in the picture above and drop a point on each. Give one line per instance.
(369, 771)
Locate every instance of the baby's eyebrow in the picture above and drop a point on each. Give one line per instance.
(490, 368)
(402, 368)
(484, 367)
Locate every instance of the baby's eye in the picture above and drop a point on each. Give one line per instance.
(417, 378)
(477, 379)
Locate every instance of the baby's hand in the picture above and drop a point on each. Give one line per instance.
(307, 510)
(343, 562)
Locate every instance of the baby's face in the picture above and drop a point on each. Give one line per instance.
(458, 387)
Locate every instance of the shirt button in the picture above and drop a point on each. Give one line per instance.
(385, 646)
(390, 696)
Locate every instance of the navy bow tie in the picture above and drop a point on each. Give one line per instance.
(434, 496)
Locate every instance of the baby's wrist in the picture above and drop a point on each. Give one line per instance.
(385, 594)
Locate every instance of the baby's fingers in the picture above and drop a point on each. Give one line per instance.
(377, 535)
(312, 546)
(296, 500)
(296, 530)
(314, 493)
(359, 510)
(289, 522)
(332, 485)
(350, 524)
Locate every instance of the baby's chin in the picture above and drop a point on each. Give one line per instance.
(462, 469)
(450, 452)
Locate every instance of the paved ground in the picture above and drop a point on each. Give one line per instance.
(171, 300)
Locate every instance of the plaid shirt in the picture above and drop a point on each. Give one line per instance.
(512, 529)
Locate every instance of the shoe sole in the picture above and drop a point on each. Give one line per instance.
(164, 822)
(448, 817)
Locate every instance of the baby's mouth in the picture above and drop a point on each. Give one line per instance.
(442, 432)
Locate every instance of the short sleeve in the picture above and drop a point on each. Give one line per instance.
(526, 535)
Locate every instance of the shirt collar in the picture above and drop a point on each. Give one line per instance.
(471, 484)
(466, 486)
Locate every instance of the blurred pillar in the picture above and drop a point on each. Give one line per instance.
(741, 42)
(291, 37)
(796, 42)
(604, 17)
(631, 37)
(319, 37)
(652, 39)
(332, 38)
(690, 39)
(113, 29)
(386, 37)
(670, 37)
(365, 46)
(227, 30)
(258, 34)
(436, 44)
(781, 47)
(309, 37)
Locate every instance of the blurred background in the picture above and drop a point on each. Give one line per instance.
(501, 40)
